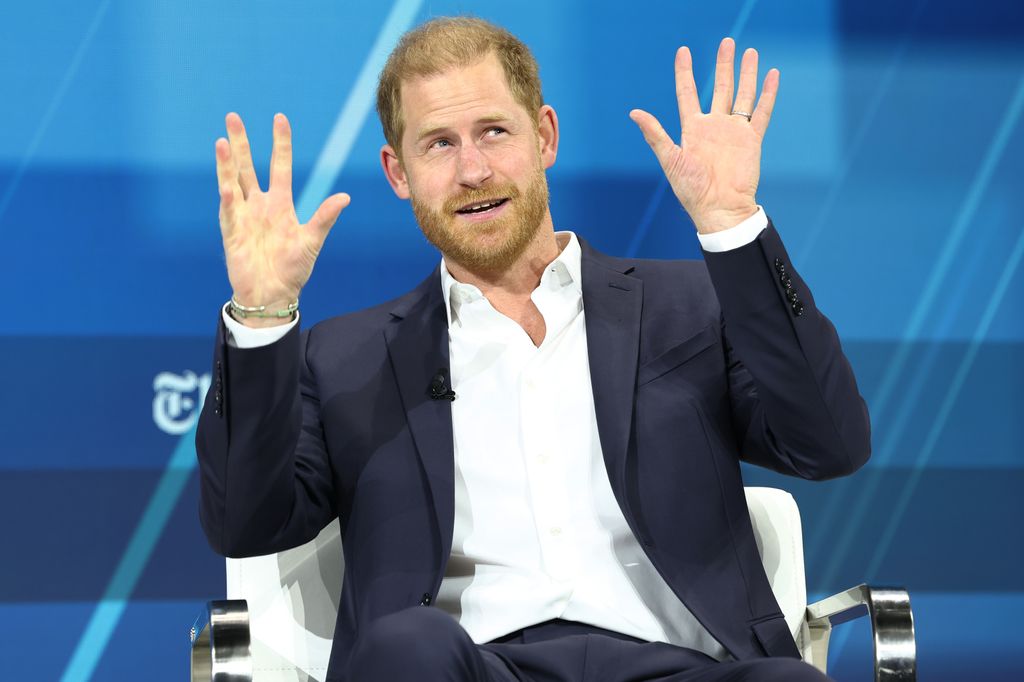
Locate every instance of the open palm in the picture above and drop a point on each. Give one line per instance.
(715, 169)
(269, 254)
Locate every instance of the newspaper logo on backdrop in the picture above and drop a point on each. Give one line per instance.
(178, 399)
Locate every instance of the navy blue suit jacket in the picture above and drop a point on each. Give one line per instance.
(694, 367)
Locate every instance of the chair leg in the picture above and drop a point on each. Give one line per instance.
(892, 627)
(220, 643)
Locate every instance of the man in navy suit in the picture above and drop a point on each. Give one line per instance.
(534, 455)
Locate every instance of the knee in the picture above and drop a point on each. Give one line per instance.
(401, 645)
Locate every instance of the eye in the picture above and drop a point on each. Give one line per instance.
(495, 130)
(439, 144)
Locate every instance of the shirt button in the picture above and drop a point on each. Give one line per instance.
(531, 385)
(543, 458)
(555, 531)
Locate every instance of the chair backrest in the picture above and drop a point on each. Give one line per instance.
(293, 599)
(779, 537)
(293, 596)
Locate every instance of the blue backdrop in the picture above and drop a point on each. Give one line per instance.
(892, 168)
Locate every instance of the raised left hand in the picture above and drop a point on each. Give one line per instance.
(715, 168)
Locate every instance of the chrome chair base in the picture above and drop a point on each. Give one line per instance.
(892, 627)
(220, 643)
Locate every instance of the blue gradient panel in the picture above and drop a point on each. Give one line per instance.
(893, 168)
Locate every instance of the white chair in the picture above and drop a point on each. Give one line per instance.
(278, 620)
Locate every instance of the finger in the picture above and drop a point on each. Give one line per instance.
(281, 158)
(327, 214)
(660, 142)
(766, 102)
(242, 154)
(227, 181)
(686, 90)
(748, 82)
(722, 101)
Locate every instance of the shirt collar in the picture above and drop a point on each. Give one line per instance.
(564, 270)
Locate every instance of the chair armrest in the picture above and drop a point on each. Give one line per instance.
(892, 626)
(220, 643)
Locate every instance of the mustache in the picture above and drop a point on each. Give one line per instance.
(478, 195)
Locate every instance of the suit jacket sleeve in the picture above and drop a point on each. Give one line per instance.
(796, 407)
(265, 480)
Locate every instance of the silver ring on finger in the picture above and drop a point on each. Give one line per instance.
(737, 112)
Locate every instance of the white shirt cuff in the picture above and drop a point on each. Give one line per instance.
(240, 336)
(735, 237)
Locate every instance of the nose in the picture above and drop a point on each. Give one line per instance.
(472, 166)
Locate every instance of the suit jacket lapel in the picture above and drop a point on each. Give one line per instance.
(612, 304)
(418, 347)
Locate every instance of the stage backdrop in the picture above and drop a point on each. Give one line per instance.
(893, 169)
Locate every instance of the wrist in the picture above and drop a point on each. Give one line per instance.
(261, 322)
(718, 221)
(259, 316)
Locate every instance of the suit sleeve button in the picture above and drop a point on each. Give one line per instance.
(798, 308)
(425, 601)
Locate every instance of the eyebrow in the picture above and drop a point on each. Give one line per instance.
(490, 118)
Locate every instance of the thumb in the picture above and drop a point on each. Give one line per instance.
(327, 214)
(661, 144)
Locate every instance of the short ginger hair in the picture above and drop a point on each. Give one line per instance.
(450, 42)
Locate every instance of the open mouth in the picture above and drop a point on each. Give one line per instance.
(481, 207)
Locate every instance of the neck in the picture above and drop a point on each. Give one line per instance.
(523, 275)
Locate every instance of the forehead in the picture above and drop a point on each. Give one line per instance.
(458, 93)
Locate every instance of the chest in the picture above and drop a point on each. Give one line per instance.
(526, 442)
(510, 387)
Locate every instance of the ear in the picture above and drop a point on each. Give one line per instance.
(394, 171)
(547, 130)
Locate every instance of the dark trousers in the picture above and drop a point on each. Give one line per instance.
(428, 645)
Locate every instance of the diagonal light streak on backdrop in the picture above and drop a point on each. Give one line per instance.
(866, 497)
(51, 109)
(357, 107)
(826, 519)
(110, 608)
(866, 121)
(928, 450)
(942, 416)
(640, 233)
(108, 611)
(881, 548)
(929, 355)
(951, 245)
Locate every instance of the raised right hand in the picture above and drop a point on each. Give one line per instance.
(269, 255)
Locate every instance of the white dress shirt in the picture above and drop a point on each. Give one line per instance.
(538, 534)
